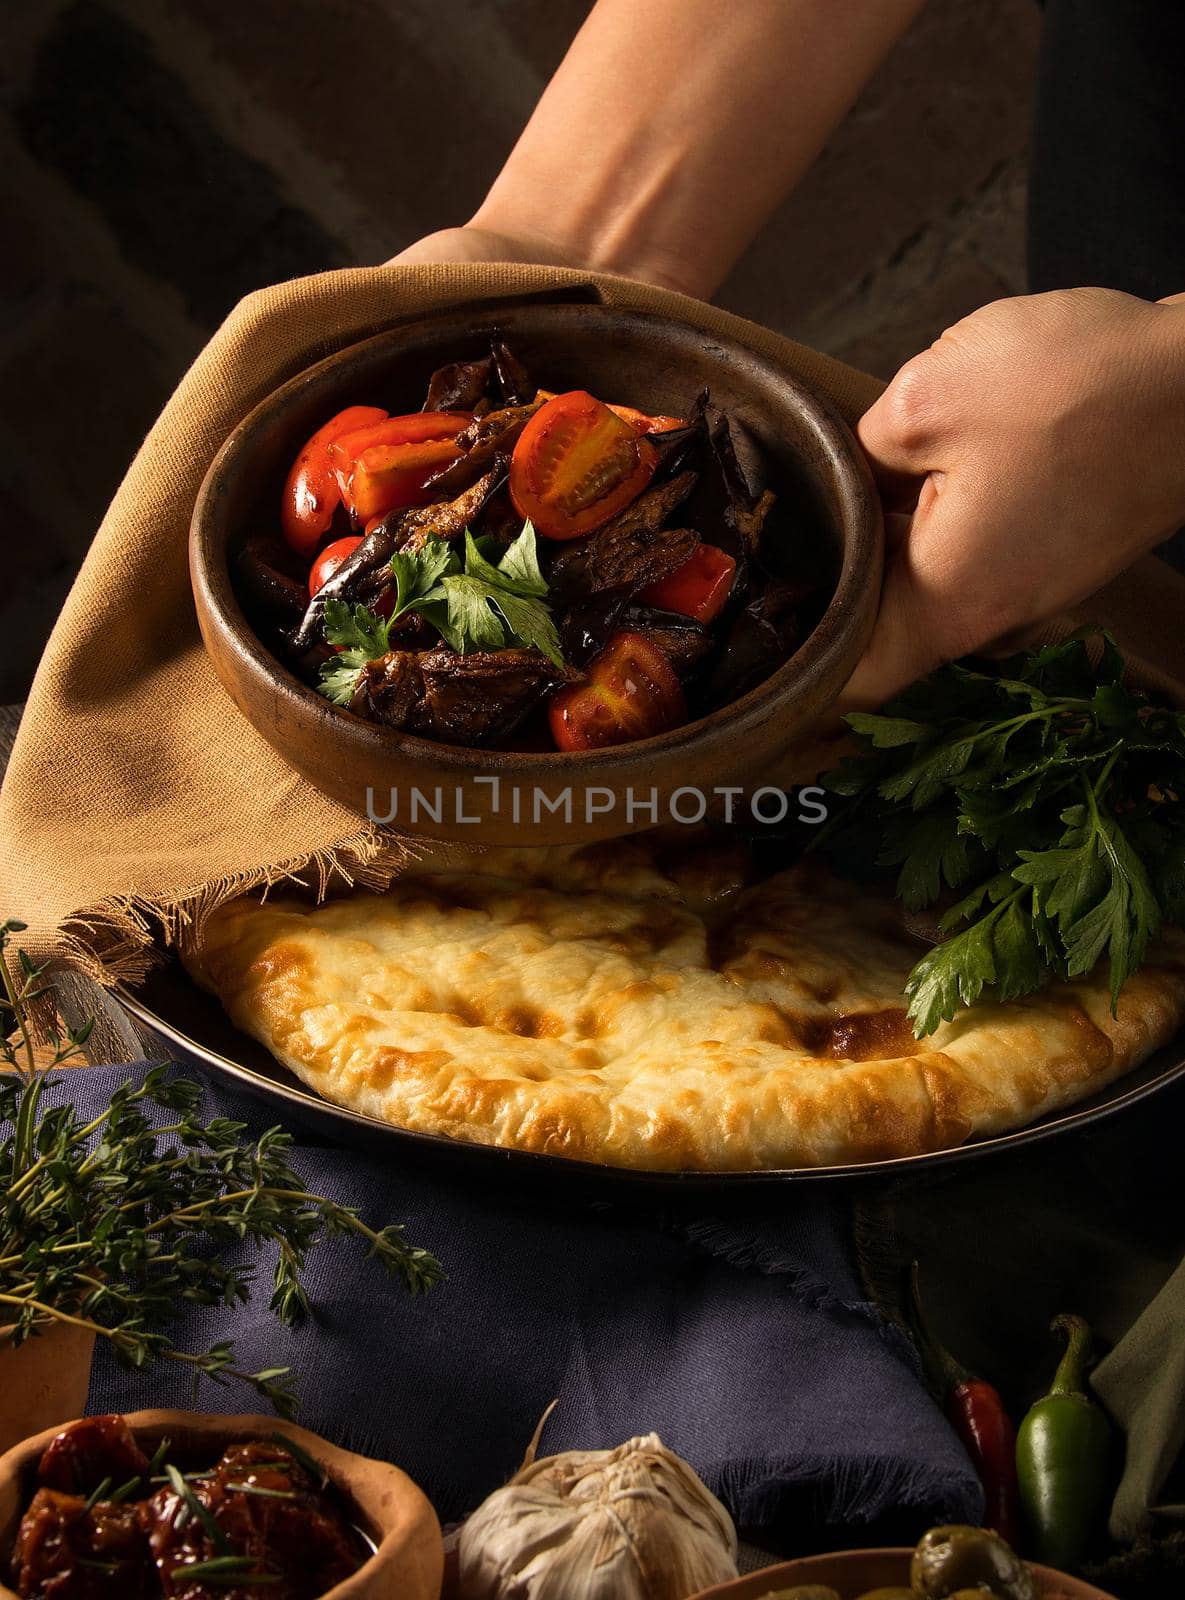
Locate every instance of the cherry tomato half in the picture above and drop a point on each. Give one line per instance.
(631, 692)
(330, 560)
(699, 588)
(576, 465)
(311, 492)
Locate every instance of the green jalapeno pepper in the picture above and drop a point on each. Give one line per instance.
(1063, 1452)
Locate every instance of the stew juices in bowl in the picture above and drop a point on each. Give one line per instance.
(174, 1504)
(515, 567)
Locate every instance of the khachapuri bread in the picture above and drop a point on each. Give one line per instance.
(651, 1003)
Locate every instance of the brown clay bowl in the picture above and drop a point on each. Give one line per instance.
(853, 1572)
(388, 1507)
(650, 362)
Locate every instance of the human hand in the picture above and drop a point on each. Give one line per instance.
(1040, 446)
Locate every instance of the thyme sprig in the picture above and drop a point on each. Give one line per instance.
(116, 1225)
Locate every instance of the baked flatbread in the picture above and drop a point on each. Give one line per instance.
(652, 1006)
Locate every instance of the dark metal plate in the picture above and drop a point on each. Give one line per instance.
(175, 1016)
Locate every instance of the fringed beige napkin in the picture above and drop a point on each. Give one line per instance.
(137, 796)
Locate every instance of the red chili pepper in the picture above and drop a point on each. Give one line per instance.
(976, 1412)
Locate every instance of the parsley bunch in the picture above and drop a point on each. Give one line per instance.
(472, 607)
(1044, 794)
(116, 1224)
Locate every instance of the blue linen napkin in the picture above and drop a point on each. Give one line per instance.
(743, 1339)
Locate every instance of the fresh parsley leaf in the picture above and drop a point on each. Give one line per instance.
(417, 574)
(951, 974)
(531, 625)
(886, 733)
(483, 598)
(356, 628)
(469, 616)
(1048, 791)
(931, 852)
(362, 636)
(518, 569)
(339, 678)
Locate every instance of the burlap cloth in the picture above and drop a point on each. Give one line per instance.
(137, 796)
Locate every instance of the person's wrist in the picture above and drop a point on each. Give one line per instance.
(579, 233)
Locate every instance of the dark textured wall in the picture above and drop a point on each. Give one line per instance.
(162, 157)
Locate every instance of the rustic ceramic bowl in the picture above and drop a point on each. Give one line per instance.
(387, 1506)
(853, 1572)
(46, 1377)
(650, 362)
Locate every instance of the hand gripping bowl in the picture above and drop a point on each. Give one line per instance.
(387, 1507)
(813, 464)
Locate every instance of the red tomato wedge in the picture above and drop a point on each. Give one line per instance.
(388, 477)
(576, 465)
(641, 423)
(421, 425)
(312, 493)
(330, 560)
(699, 588)
(384, 467)
(631, 692)
(638, 420)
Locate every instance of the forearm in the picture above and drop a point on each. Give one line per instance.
(673, 129)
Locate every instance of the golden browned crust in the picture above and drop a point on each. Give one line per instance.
(644, 1007)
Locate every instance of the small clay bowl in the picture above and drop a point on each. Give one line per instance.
(386, 1505)
(655, 364)
(853, 1572)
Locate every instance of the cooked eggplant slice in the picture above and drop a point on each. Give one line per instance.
(391, 689)
(359, 580)
(468, 700)
(475, 698)
(461, 386)
(629, 552)
(484, 441)
(764, 634)
(587, 628)
(493, 381)
(269, 580)
(365, 573)
(513, 378)
(680, 448)
(448, 519)
(725, 507)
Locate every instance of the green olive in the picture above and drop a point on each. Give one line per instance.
(894, 1592)
(948, 1560)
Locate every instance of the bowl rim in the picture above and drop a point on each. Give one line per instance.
(748, 1585)
(855, 495)
(339, 1465)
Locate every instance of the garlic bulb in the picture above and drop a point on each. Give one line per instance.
(633, 1523)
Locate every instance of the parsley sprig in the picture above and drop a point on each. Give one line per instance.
(116, 1224)
(473, 606)
(1046, 795)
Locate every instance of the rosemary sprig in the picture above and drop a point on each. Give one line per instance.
(186, 1495)
(116, 1225)
(228, 1569)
